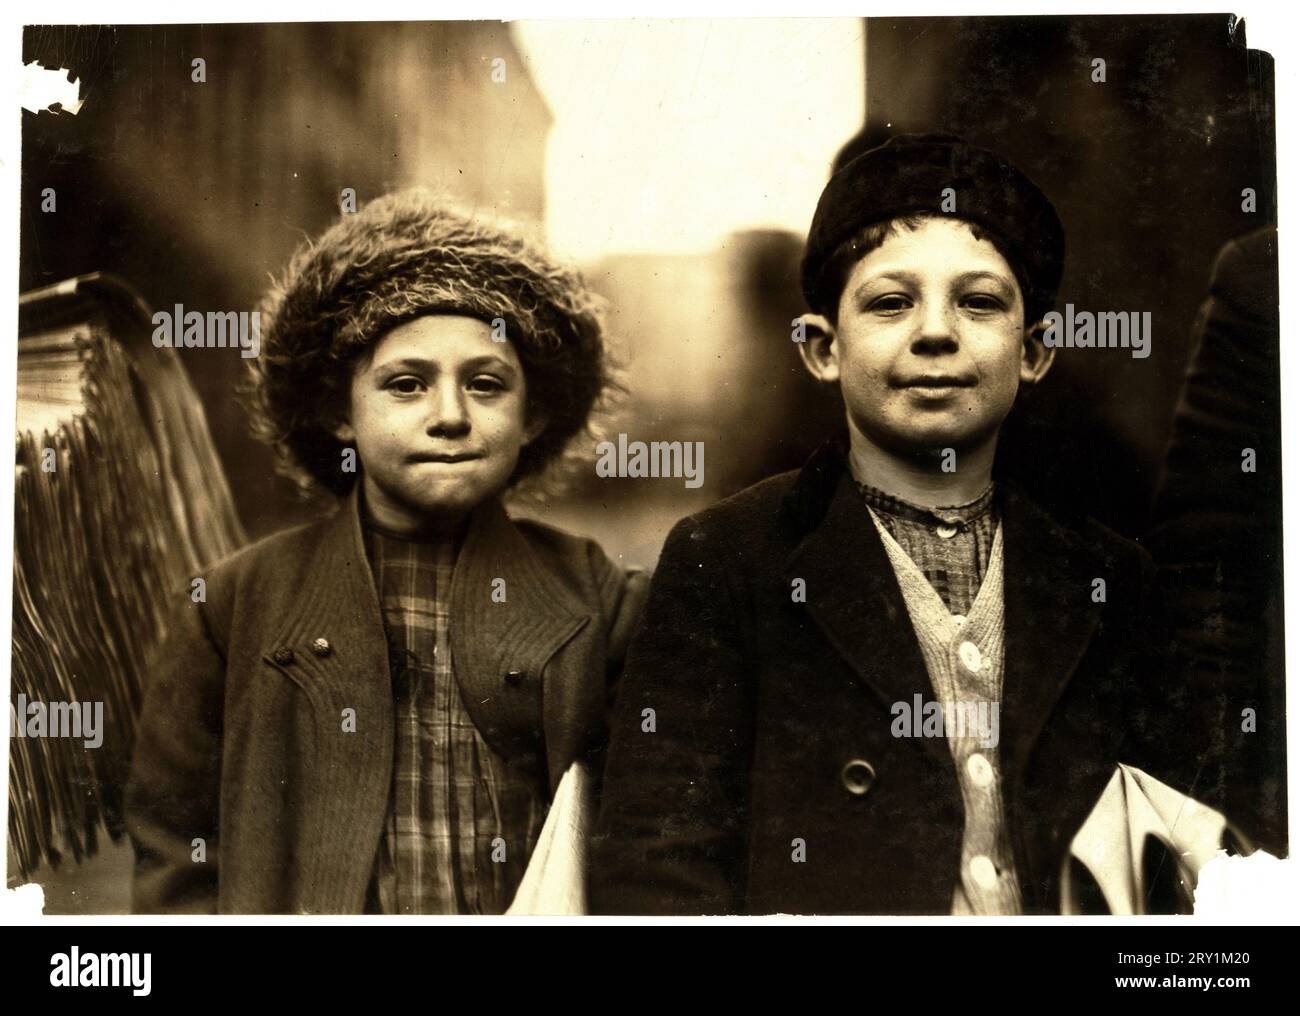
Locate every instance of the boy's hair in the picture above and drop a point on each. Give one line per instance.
(839, 266)
(402, 256)
(912, 174)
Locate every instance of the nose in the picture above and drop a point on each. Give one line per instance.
(447, 415)
(937, 333)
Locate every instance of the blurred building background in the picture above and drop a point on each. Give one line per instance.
(678, 163)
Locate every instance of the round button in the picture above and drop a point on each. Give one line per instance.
(858, 776)
(959, 620)
(969, 654)
(283, 656)
(946, 531)
(981, 772)
(321, 647)
(983, 872)
(514, 676)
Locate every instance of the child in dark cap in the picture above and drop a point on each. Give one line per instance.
(886, 683)
(373, 711)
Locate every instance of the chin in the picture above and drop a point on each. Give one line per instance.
(958, 431)
(458, 500)
(929, 442)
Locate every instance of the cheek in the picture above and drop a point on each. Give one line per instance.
(502, 422)
(998, 359)
(379, 423)
(865, 359)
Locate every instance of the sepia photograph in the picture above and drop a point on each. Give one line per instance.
(648, 467)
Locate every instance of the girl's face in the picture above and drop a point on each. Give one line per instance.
(438, 417)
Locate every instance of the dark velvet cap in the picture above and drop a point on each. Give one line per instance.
(907, 175)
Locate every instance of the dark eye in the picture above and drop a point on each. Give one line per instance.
(406, 385)
(983, 302)
(893, 303)
(486, 384)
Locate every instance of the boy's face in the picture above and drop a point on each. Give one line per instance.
(929, 347)
(438, 417)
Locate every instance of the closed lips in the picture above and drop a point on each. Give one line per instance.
(937, 381)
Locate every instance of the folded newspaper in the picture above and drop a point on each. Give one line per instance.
(555, 882)
(1134, 812)
(120, 500)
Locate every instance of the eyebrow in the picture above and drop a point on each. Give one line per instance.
(977, 275)
(416, 363)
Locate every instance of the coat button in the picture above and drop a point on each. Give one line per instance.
(514, 677)
(321, 647)
(858, 776)
(980, 770)
(283, 656)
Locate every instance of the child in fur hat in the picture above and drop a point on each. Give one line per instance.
(371, 712)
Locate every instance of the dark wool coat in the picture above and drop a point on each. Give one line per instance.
(242, 740)
(772, 717)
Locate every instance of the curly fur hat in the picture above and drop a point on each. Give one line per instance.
(404, 255)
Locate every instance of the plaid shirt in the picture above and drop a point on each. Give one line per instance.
(461, 823)
(951, 546)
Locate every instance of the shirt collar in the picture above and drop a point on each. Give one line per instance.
(953, 515)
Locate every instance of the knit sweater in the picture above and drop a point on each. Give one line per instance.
(964, 658)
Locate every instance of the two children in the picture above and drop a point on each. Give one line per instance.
(886, 683)
(371, 712)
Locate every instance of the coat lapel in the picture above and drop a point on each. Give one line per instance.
(501, 647)
(340, 826)
(337, 602)
(853, 594)
(1050, 619)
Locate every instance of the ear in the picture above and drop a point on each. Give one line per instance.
(344, 432)
(1036, 357)
(820, 354)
